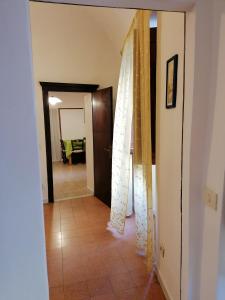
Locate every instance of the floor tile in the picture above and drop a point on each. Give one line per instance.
(116, 266)
(73, 274)
(99, 286)
(105, 297)
(121, 282)
(77, 291)
(88, 261)
(56, 293)
(129, 294)
(140, 278)
(55, 277)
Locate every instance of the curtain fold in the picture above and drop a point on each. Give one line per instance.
(133, 103)
(122, 139)
(142, 135)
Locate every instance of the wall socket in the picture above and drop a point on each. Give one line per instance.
(210, 198)
(162, 251)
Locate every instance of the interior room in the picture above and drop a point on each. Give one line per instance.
(72, 144)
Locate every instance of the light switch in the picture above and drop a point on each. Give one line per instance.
(211, 198)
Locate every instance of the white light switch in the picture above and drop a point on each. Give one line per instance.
(210, 198)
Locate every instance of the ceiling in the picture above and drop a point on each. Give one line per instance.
(112, 23)
(170, 5)
(115, 23)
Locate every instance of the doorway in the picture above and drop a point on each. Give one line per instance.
(70, 141)
(106, 150)
(76, 137)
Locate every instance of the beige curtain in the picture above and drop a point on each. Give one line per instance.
(142, 135)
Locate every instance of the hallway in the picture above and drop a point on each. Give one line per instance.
(86, 261)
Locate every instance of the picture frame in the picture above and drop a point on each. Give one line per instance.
(171, 82)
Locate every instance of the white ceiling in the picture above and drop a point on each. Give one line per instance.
(171, 5)
(114, 22)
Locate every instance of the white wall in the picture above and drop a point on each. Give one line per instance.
(214, 229)
(70, 44)
(72, 123)
(204, 156)
(22, 252)
(89, 142)
(170, 41)
(204, 151)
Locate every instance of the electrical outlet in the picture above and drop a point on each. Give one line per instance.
(210, 198)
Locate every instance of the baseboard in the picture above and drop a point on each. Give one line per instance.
(90, 189)
(74, 197)
(45, 201)
(163, 286)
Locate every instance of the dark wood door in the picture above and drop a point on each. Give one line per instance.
(102, 138)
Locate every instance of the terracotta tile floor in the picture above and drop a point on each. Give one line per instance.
(87, 261)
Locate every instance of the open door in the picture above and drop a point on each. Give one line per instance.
(102, 143)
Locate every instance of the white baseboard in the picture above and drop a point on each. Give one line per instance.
(163, 286)
(90, 189)
(45, 201)
(74, 197)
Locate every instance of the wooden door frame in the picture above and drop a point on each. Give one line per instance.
(57, 87)
(111, 139)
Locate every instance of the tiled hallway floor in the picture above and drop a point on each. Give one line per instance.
(86, 261)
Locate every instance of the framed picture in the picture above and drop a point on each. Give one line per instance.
(171, 82)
